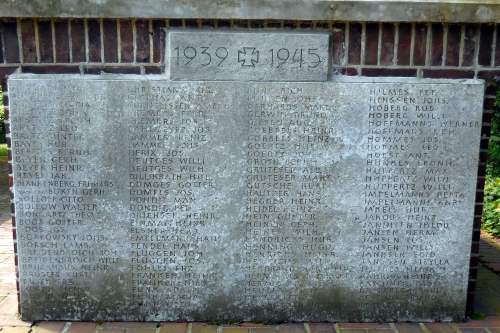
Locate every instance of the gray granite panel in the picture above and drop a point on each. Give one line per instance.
(251, 56)
(443, 11)
(139, 198)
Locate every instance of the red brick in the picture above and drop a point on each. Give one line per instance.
(289, 24)
(354, 54)
(158, 26)
(488, 322)
(242, 24)
(387, 47)
(453, 45)
(110, 40)
(485, 141)
(476, 236)
(142, 40)
(370, 326)
(470, 38)
(437, 44)
(487, 116)
(485, 131)
(10, 39)
(481, 179)
(227, 23)
(153, 70)
(475, 248)
(483, 156)
(205, 23)
(127, 41)
(448, 73)
(51, 69)
(255, 24)
(62, 41)
(353, 330)
(404, 47)
(4, 72)
(371, 45)
(77, 41)
(28, 39)
(420, 47)
(478, 210)
(177, 23)
(1, 46)
(272, 23)
(489, 103)
(325, 25)
(439, 328)
(45, 41)
(94, 36)
(112, 69)
(471, 287)
(349, 71)
(484, 56)
(491, 89)
(338, 39)
(492, 75)
(127, 327)
(389, 72)
(473, 330)
(191, 23)
(481, 172)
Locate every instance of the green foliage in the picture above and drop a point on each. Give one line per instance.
(494, 145)
(491, 211)
(3, 149)
(477, 316)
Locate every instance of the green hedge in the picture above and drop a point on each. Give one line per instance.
(491, 211)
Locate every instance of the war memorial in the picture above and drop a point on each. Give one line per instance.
(250, 176)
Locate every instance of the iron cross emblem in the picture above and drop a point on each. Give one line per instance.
(248, 57)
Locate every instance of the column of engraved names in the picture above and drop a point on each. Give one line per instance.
(56, 199)
(285, 210)
(406, 178)
(167, 175)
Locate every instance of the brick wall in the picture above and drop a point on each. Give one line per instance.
(134, 46)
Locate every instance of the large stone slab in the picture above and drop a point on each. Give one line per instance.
(251, 56)
(139, 198)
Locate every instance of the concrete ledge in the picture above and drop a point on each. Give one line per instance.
(473, 11)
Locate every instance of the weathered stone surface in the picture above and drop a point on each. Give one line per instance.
(246, 56)
(140, 198)
(485, 11)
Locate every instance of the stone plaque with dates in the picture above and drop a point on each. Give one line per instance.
(141, 198)
(257, 56)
